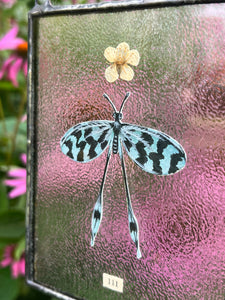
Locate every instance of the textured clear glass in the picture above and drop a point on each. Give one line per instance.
(178, 88)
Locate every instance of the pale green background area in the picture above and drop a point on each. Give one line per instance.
(174, 43)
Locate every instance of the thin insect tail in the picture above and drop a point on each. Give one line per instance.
(98, 208)
(133, 223)
(124, 100)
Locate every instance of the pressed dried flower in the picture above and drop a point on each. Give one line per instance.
(120, 58)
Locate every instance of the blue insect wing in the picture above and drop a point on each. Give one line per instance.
(87, 141)
(153, 151)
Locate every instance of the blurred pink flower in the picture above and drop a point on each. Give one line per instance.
(17, 266)
(7, 3)
(18, 59)
(24, 118)
(19, 183)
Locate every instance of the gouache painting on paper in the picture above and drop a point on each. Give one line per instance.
(153, 151)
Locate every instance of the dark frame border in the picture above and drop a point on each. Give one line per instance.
(39, 11)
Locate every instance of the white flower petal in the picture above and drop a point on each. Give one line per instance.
(126, 73)
(111, 73)
(133, 58)
(122, 51)
(123, 46)
(110, 54)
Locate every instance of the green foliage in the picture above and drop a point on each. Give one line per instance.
(13, 143)
(12, 226)
(9, 286)
(3, 199)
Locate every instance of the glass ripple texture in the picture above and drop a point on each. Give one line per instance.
(178, 88)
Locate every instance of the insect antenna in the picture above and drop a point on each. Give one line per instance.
(110, 101)
(124, 100)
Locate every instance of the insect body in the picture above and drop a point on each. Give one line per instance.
(153, 151)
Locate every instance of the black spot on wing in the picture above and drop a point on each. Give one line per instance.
(80, 156)
(87, 131)
(147, 138)
(102, 136)
(142, 159)
(93, 143)
(69, 144)
(104, 144)
(79, 145)
(175, 158)
(156, 156)
(162, 144)
(86, 140)
(77, 134)
(128, 144)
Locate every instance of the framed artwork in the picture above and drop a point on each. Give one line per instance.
(126, 106)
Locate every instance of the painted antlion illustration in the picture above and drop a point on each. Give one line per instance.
(153, 151)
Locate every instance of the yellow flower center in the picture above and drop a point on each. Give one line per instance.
(121, 57)
(22, 49)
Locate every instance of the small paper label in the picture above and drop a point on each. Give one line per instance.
(113, 283)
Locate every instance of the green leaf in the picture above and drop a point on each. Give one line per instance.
(20, 248)
(10, 124)
(21, 202)
(20, 11)
(3, 244)
(21, 143)
(8, 86)
(3, 199)
(23, 128)
(9, 287)
(7, 129)
(12, 225)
